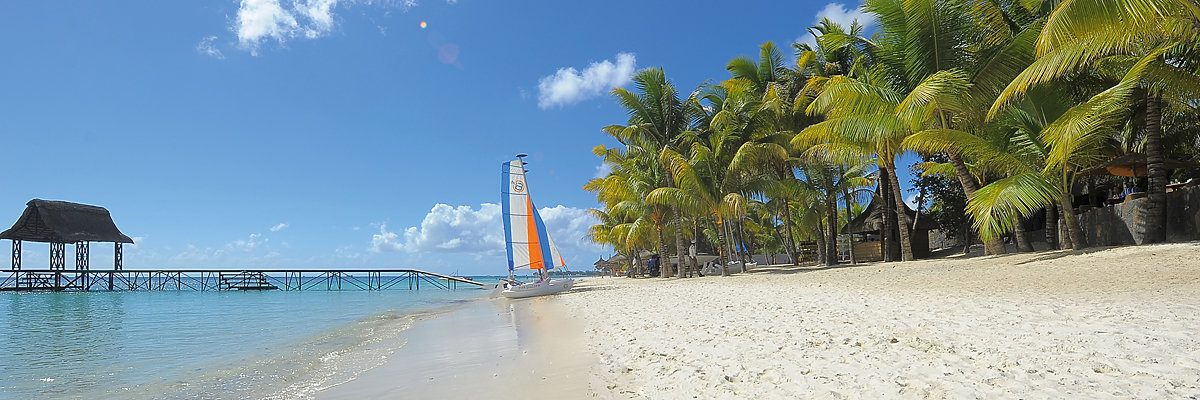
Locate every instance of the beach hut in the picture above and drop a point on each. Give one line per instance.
(871, 223)
(61, 222)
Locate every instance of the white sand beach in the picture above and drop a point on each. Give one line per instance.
(1107, 323)
(1114, 323)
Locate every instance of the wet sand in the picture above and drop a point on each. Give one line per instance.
(491, 348)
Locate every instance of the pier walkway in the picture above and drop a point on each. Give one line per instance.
(224, 280)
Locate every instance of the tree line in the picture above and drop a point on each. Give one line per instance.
(1006, 102)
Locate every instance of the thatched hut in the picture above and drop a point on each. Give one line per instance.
(871, 223)
(61, 222)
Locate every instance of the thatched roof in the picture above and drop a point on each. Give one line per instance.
(64, 222)
(1131, 165)
(871, 219)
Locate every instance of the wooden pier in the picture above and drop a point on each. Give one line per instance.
(58, 280)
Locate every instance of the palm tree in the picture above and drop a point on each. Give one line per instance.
(702, 185)
(1081, 34)
(1046, 141)
(865, 119)
(657, 118)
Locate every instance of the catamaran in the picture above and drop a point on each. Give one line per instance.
(529, 245)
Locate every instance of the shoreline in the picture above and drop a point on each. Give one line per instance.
(1110, 322)
(526, 349)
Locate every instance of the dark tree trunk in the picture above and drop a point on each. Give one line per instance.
(662, 252)
(723, 250)
(889, 218)
(680, 251)
(994, 246)
(906, 252)
(820, 239)
(831, 257)
(791, 239)
(1074, 232)
(1021, 236)
(1052, 226)
(1156, 174)
(850, 216)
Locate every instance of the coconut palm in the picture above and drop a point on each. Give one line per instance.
(1048, 140)
(1080, 34)
(657, 118)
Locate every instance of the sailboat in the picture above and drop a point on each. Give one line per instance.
(529, 244)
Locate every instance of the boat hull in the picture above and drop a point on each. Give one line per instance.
(538, 288)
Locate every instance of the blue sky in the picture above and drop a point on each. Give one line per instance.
(338, 133)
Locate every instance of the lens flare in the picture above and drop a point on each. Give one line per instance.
(423, 24)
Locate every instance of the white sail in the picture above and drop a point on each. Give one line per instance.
(529, 244)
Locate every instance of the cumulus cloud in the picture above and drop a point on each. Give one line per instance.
(249, 244)
(281, 226)
(258, 21)
(570, 86)
(838, 13)
(464, 229)
(206, 48)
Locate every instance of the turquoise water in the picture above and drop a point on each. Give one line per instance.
(202, 344)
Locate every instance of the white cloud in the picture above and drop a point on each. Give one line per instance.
(602, 170)
(911, 200)
(261, 19)
(464, 229)
(258, 21)
(206, 48)
(281, 226)
(569, 86)
(839, 14)
(249, 244)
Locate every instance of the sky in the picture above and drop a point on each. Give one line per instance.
(339, 134)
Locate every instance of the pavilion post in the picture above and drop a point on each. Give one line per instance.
(117, 256)
(82, 256)
(58, 257)
(16, 255)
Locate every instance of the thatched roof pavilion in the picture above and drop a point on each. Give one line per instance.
(61, 222)
(871, 222)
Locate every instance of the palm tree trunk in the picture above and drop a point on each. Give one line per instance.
(906, 252)
(996, 245)
(820, 238)
(831, 257)
(791, 239)
(1074, 232)
(679, 250)
(889, 218)
(1156, 174)
(721, 245)
(1022, 237)
(850, 216)
(662, 251)
(1052, 226)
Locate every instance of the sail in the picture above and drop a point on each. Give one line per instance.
(529, 245)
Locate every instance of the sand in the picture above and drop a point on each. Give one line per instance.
(1107, 323)
(487, 349)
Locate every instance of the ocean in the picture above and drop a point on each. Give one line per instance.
(213, 345)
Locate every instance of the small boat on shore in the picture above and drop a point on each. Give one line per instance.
(529, 244)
